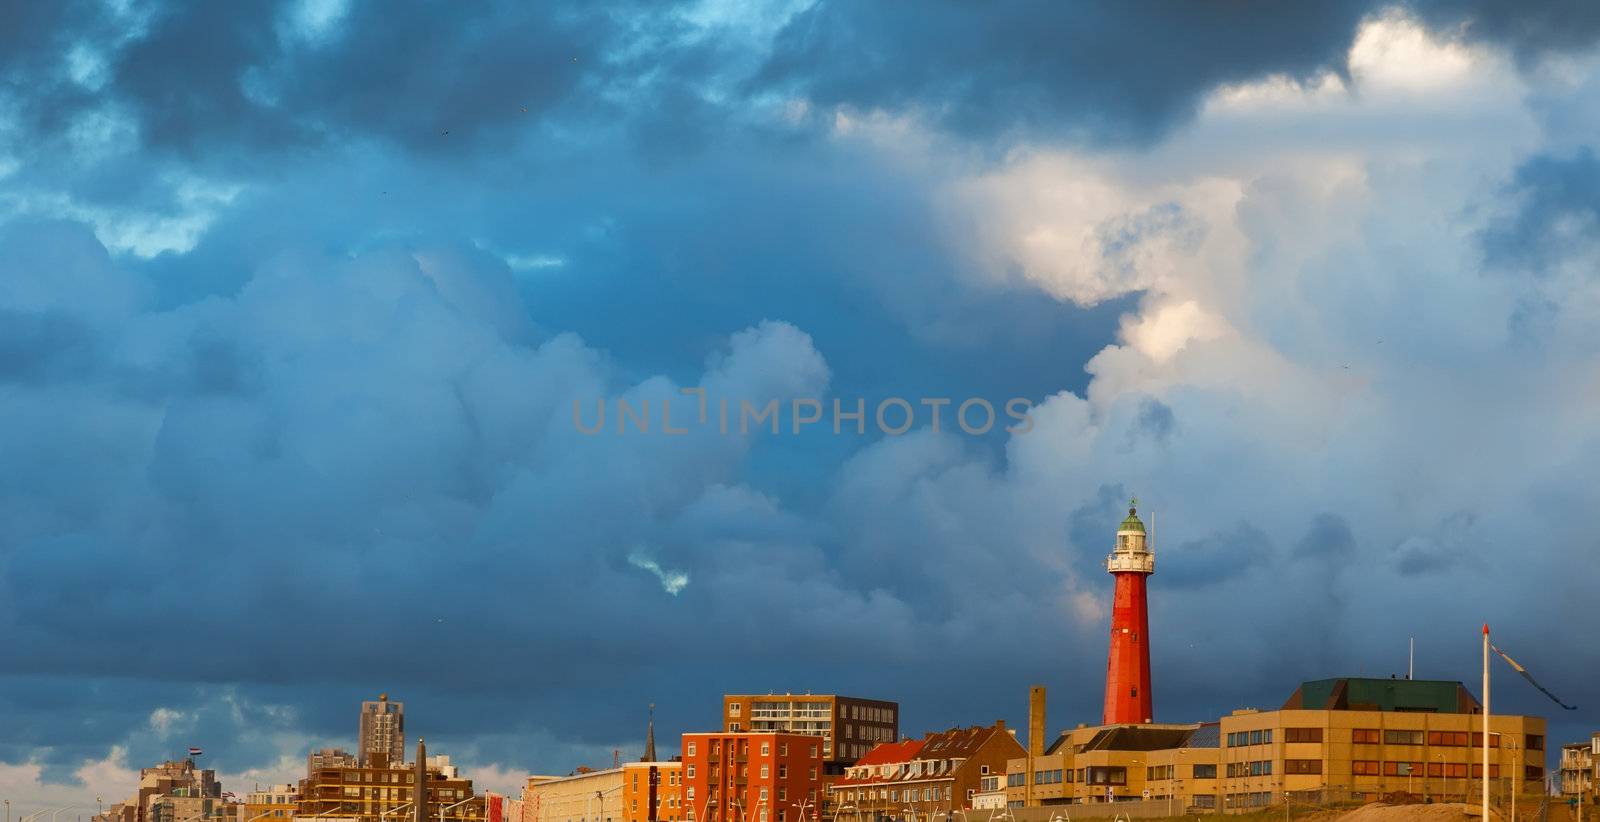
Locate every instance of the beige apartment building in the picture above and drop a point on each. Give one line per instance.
(1580, 768)
(1333, 739)
(275, 802)
(849, 726)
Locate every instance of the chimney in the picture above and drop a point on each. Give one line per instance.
(1036, 726)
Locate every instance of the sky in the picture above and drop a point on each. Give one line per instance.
(298, 300)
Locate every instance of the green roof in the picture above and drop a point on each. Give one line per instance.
(1355, 693)
(1132, 523)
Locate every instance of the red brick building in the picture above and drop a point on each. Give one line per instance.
(752, 777)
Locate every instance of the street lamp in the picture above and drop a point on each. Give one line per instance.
(384, 815)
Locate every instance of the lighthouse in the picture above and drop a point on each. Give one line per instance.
(1128, 661)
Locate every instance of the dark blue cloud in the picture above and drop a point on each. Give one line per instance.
(1557, 212)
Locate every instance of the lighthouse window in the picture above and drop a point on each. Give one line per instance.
(1133, 692)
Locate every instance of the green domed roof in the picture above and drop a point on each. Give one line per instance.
(1132, 523)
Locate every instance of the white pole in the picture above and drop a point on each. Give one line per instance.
(1411, 660)
(1485, 816)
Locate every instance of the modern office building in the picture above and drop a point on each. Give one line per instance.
(849, 726)
(766, 776)
(1333, 739)
(382, 733)
(942, 773)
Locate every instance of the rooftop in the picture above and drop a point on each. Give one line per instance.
(1363, 694)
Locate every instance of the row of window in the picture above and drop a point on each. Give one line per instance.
(928, 794)
(1255, 799)
(691, 747)
(1372, 736)
(1260, 767)
(1047, 777)
(1158, 772)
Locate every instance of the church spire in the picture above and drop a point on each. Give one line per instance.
(650, 736)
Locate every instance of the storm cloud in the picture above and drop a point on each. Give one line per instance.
(296, 300)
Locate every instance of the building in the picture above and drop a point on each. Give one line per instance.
(942, 773)
(652, 791)
(332, 758)
(643, 791)
(1580, 768)
(585, 796)
(1333, 739)
(768, 776)
(1171, 763)
(338, 791)
(1127, 695)
(382, 732)
(193, 791)
(849, 726)
(276, 802)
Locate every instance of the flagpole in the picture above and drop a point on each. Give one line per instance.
(1485, 816)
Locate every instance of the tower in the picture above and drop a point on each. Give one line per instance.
(650, 736)
(420, 812)
(1128, 661)
(383, 733)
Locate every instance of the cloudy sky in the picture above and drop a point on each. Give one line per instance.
(296, 299)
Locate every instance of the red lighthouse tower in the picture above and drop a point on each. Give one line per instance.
(1128, 663)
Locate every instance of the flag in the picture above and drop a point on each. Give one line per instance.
(195, 752)
(1529, 677)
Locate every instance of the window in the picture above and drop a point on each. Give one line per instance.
(1255, 737)
(1364, 767)
(1302, 766)
(1402, 737)
(733, 726)
(1532, 772)
(763, 794)
(983, 770)
(1302, 734)
(766, 749)
(691, 749)
(813, 774)
(1402, 768)
(1533, 742)
(783, 750)
(764, 771)
(1204, 772)
(813, 752)
(1448, 739)
(1477, 771)
(734, 709)
(783, 794)
(1015, 780)
(1477, 739)
(1364, 736)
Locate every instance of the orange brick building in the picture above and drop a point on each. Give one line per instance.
(652, 792)
(752, 777)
